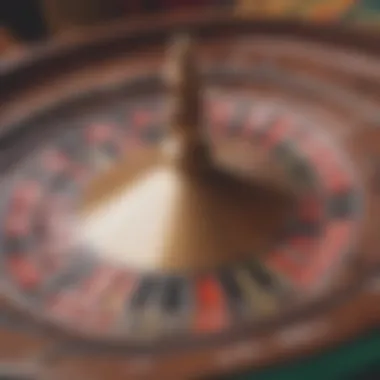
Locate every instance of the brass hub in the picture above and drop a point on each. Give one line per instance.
(188, 204)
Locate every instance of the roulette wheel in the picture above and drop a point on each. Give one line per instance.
(188, 211)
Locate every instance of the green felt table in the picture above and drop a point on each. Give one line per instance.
(339, 363)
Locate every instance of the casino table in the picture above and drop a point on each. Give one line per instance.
(358, 359)
(290, 155)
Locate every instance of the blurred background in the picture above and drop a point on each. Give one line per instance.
(23, 21)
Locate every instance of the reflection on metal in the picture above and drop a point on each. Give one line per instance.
(189, 204)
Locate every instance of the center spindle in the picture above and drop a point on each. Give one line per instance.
(186, 143)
